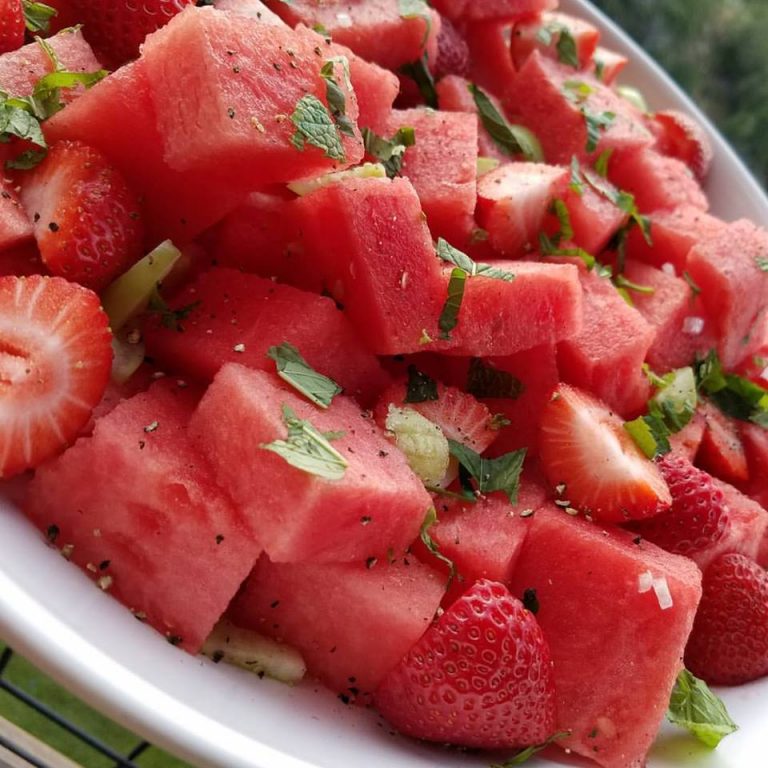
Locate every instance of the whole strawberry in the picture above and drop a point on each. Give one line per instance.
(11, 25)
(481, 676)
(729, 641)
(452, 52)
(116, 28)
(699, 515)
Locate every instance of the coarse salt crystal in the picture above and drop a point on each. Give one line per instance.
(668, 268)
(663, 595)
(693, 326)
(644, 582)
(344, 19)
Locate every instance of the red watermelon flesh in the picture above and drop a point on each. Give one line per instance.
(683, 328)
(734, 288)
(373, 29)
(248, 79)
(490, 60)
(237, 318)
(608, 64)
(378, 504)
(613, 669)
(546, 99)
(755, 441)
(351, 622)
(15, 226)
(137, 507)
(442, 166)
(525, 40)
(507, 10)
(721, 452)
(686, 442)
(606, 358)
(657, 182)
(253, 9)
(674, 233)
(367, 242)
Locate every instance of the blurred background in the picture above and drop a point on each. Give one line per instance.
(717, 50)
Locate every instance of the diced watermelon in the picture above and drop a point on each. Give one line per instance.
(683, 328)
(136, 507)
(253, 9)
(606, 358)
(248, 79)
(376, 506)
(734, 288)
(351, 622)
(373, 29)
(512, 202)
(686, 442)
(526, 37)
(608, 64)
(721, 452)
(490, 61)
(613, 669)
(548, 100)
(15, 226)
(236, 318)
(657, 182)
(507, 10)
(755, 441)
(673, 234)
(442, 166)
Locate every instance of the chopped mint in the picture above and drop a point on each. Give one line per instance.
(315, 126)
(599, 69)
(624, 286)
(337, 100)
(449, 317)
(421, 388)
(500, 474)
(484, 380)
(432, 546)
(473, 269)
(169, 318)
(389, 152)
(565, 46)
(596, 122)
(550, 245)
(695, 290)
(511, 139)
(693, 706)
(419, 72)
(577, 91)
(649, 434)
(601, 164)
(37, 16)
(576, 183)
(294, 369)
(307, 449)
(526, 754)
(762, 263)
(624, 201)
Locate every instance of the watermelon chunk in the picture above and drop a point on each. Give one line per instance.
(237, 318)
(351, 622)
(613, 669)
(442, 166)
(136, 507)
(507, 10)
(609, 64)
(721, 452)
(686, 442)
(734, 288)
(525, 40)
(377, 505)
(606, 358)
(253, 9)
(490, 60)
(15, 226)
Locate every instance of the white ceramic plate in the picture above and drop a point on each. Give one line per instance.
(216, 716)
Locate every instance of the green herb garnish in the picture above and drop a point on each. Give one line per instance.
(37, 16)
(315, 126)
(337, 100)
(419, 72)
(500, 474)
(294, 369)
(432, 546)
(526, 754)
(420, 388)
(484, 380)
(389, 152)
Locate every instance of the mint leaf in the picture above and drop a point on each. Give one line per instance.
(169, 318)
(294, 369)
(550, 245)
(576, 183)
(37, 16)
(566, 48)
(420, 388)
(601, 164)
(307, 449)
(419, 72)
(315, 126)
(624, 286)
(511, 139)
(337, 100)
(650, 434)
(389, 152)
(16, 120)
(624, 201)
(595, 123)
(526, 754)
(484, 380)
(500, 474)
(449, 317)
(473, 269)
(762, 263)
(432, 546)
(693, 706)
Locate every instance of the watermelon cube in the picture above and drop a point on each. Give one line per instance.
(442, 166)
(526, 37)
(237, 318)
(616, 615)
(253, 9)
(507, 10)
(606, 358)
(721, 452)
(15, 226)
(137, 507)
(734, 287)
(490, 60)
(686, 442)
(376, 506)
(352, 622)
(608, 64)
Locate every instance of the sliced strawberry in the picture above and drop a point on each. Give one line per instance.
(481, 676)
(86, 219)
(721, 452)
(589, 456)
(452, 52)
(699, 515)
(729, 641)
(679, 135)
(55, 360)
(11, 25)
(116, 28)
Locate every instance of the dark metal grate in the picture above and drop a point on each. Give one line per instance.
(98, 746)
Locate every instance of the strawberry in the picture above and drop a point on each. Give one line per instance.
(680, 136)
(586, 452)
(116, 28)
(452, 52)
(480, 676)
(86, 218)
(11, 25)
(729, 640)
(721, 452)
(55, 361)
(699, 515)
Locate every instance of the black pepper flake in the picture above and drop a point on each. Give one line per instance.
(277, 66)
(637, 540)
(219, 538)
(230, 113)
(370, 562)
(175, 639)
(274, 604)
(260, 674)
(531, 601)
(344, 698)
(36, 217)
(104, 564)
(217, 656)
(354, 691)
(365, 520)
(141, 445)
(53, 226)
(52, 533)
(383, 454)
(351, 679)
(236, 70)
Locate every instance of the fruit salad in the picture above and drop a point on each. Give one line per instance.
(401, 332)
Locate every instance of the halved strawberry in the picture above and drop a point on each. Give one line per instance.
(116, 28)
(721, 452)
(699, 516)
(55, 360)
(729, 640)
(86, 219)
(11, 25)
(679, 135)
(481, 676)
(452, 52)
(586, 452)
